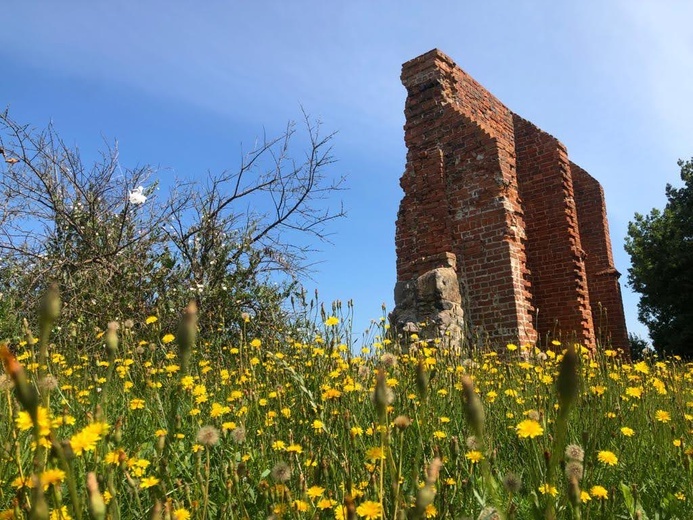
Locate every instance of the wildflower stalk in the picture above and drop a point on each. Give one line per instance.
(67, 468)
(39, 506)
(97, 506)
(567, 386)
(187, 335)
(205, 486)
(111, 341)
(381, 402)
(113, 507)
(474, 412)
(48, 313)
(398, 473)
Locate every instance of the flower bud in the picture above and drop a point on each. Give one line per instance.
(380, 397)
(422, 379)
(424, 498)
(39, 507)
(568, 382)
(574, 492)
(473, 407)
(187, 335)
(111, 340)
(49, 306)
(24, 391)
(97, 506)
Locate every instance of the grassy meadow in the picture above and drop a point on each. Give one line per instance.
(137, 421)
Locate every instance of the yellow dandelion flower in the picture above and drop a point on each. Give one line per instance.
(168, 338)
(474, 456)
(24, 422)
(301, 505)
(370, 510)
(325, 503)
(628, 432)
(375, 453)
(641, 367)
(548, 489)
(218, 410)
(148, 482)
(607, 457)
(598, 390)
(86, 439)
(151, 319)
(51, 477)
(662, 416)
(599, 492)
(529, 428)
(315, 491)
(332, 321)
(356, 431)
(181, 514)
(634, 391)
(60, 514)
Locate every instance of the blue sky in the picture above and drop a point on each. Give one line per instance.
(182, 85)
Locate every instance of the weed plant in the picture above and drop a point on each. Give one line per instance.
(162, 424)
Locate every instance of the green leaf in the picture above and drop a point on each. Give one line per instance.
(628, 498)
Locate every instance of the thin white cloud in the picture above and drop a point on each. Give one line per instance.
(662, 30)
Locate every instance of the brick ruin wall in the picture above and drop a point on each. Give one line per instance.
(495, 200)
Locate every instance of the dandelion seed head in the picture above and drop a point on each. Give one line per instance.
(472, 443)
(5, 383)
(574, 471)
(208, 436)
(387, 394)
(575, 452)
(238, 434)
(402, 422)
(49, 383)
(512, 482)
(534, 415)
(469, 363)
(281, 472)
(434, 470)
(388, 359)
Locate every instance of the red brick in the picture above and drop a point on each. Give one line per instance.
(528, 228)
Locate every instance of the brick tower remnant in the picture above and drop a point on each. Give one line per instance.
(498, 231)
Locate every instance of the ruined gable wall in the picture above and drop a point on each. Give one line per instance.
(499, 194)
(602, 276)
(554, 251)
(461, 162)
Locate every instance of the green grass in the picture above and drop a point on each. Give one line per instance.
(300, 427)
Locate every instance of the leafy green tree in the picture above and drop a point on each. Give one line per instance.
(237, 243)
(661, 249)
(639, 347)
